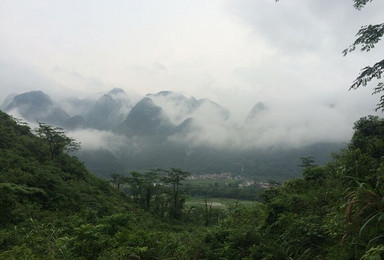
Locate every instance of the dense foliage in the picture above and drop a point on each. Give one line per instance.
(53, 208)
(158, 191)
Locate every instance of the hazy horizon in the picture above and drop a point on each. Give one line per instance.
(266, 128)
(287, 55)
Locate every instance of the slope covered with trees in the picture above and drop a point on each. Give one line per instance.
(53, 208)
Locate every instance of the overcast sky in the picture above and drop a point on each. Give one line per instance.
(286, 54)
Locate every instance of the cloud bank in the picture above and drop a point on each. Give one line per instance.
(237, 53)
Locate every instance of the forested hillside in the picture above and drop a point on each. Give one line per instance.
(53, 208)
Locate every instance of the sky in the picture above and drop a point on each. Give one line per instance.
(287, 54)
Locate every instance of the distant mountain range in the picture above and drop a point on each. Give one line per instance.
(36, 106)
(165, 129)
(155, 114)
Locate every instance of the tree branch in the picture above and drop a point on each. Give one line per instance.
(367, 37)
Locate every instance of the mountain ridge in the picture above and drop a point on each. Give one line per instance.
(168, 129)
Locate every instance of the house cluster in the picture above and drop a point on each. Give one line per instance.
(216, 176)
(260, 184)
(228, 176)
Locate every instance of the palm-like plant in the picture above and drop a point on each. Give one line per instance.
(364, 211)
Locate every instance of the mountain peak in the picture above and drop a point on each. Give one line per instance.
(146, 119)
(257, 109)
(116, 91)
(146, 101)
(35, 98)
(164, 93)
(37, 106)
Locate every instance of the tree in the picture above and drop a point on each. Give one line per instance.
(117, 180)
(57, 141)
(174, 178)
(143, 187)
(367, 37)
(307, 162)
(150, 185)
(368, 136)
(135, 182)
(208, 210)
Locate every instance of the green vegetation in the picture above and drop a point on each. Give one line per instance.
(53, 208)
(158, 191)
(56, 139)
(221, 188)
(367, 37)
(221, 203)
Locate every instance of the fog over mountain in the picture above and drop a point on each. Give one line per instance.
(287, 55)
(168, 129)
(35, 106)
(203, 85)
(172, 117)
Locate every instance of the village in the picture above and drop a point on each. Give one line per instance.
(229, 176)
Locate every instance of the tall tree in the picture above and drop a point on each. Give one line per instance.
(135, 182)
(117, 180)
(307, 162)
(57, 141)
(150, 184)
(174, 178)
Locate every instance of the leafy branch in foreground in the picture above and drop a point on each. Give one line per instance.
(367, 38)
(360, 3)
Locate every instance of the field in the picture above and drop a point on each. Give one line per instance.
(219, 203)
(221, 191)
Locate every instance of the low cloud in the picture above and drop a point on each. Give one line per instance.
(287, 55)
(92, 139)
(282, 124)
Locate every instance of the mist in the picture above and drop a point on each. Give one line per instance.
(227, 55)
(280, 123)
(92, 139)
